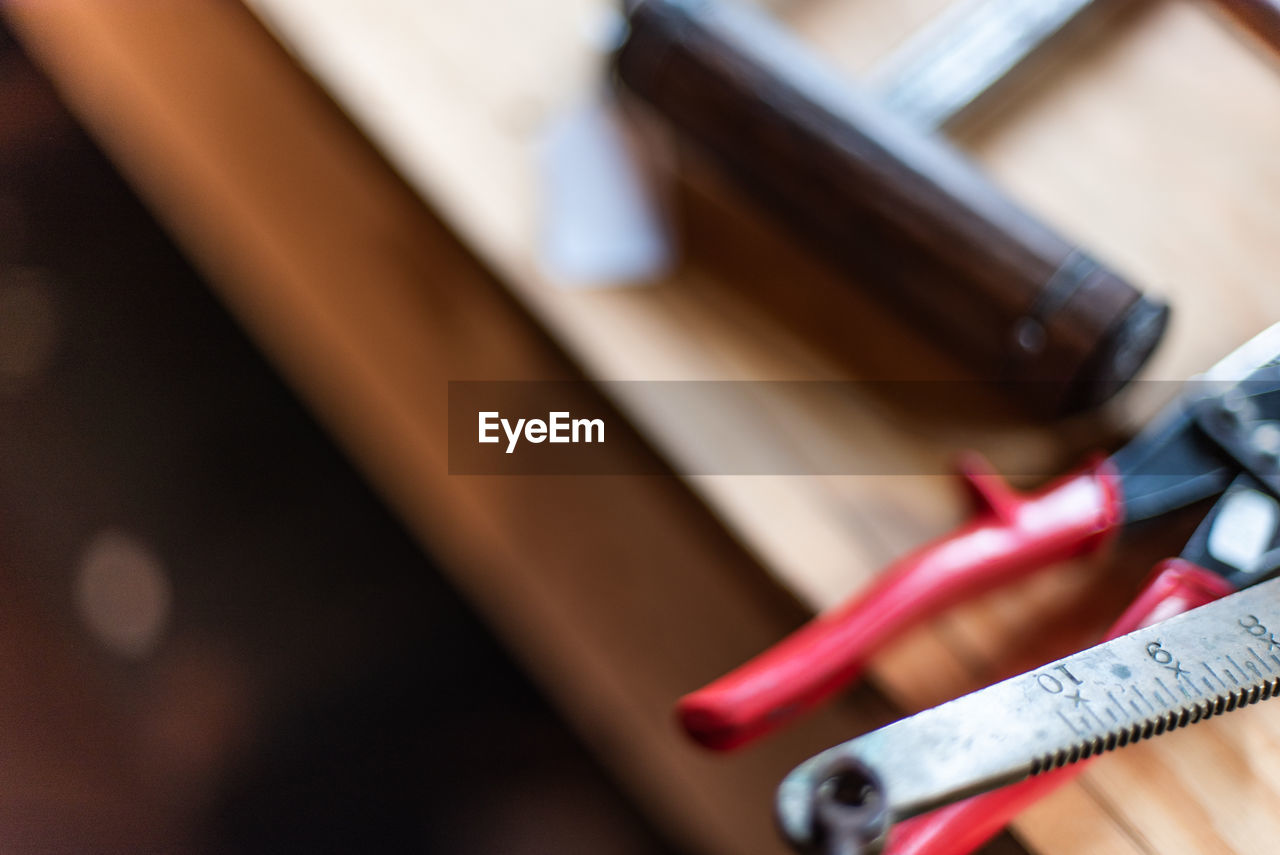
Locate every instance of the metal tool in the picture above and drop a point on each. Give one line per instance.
(967, 52)
(1236, 546)
(904, 214)
(604, 223)
(1221, 438)
(981, 276)
(1219, 427)
(962, 827)
(962, 54)
(1208, 661)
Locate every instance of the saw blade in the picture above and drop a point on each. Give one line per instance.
(1208, 661)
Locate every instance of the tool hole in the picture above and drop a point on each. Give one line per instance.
(852, 788)
(850, 806)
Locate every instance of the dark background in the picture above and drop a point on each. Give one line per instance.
(289, 672)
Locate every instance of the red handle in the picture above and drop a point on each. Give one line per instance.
(1011, 535)
(1176, 586)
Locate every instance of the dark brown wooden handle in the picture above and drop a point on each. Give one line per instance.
(900, 210)
(1261, 17)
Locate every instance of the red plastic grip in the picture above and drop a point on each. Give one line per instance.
(1011, 535)
(1175, 586)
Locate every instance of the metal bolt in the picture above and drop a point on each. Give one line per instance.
(850, 809)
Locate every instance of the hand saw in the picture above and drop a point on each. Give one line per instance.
(1208, 661)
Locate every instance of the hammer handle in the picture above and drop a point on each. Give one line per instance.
(899, 210)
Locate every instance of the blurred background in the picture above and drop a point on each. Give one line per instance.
(213, 637)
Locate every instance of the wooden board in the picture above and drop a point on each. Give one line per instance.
(1135, 148)
(1154, 146)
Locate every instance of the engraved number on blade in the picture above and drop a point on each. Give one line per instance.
(1165, 659)
(1176, 695)
(1255, 628)
(1053, 685)
(1197, 665)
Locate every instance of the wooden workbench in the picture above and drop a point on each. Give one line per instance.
(1154, 145)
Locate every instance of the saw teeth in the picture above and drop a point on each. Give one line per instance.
(1156, 725)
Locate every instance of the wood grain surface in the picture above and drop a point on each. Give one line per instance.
(1154, 146)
